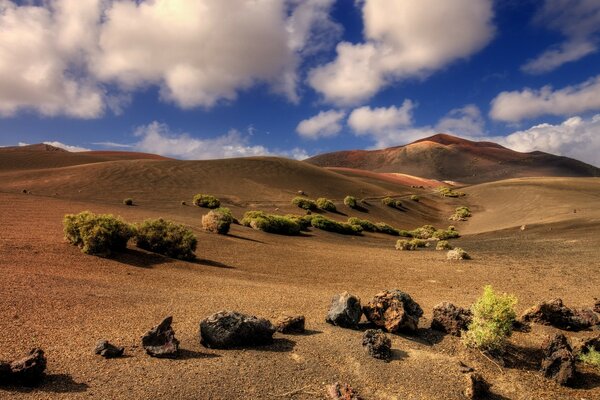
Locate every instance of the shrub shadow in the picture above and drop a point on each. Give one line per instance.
(140, 259)
(398, 355)
(244, 238)
(51, 383)
(525, 358)
(211, 263)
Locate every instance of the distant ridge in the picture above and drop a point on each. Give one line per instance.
(447, 157)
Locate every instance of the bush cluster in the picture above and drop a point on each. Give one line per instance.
(461, 214)
(99, 235)
(128, 202)
(326, 224)
(326, 204)
(449, 192)
(590, 356)
(302, 220)
(382, 227)
(305, 204)
(413, 244)
(270, 223)
(167, 238)
(389, 202)
(430, 232)
(368, 226)
(493, 319)
(443, 245)
(424, 232)
(350, 201)
(414, 197)
(457, 254)
(450, 233)
(206, 201)
(218, 220)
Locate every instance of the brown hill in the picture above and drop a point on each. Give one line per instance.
(446, 157)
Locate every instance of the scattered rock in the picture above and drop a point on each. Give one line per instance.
(227, 329)
(27, 371)
(377, 344)
(554, 313)
(558, 362)
(160, 341)
(290, 324)
(583, 345)
(344, 311)
(107, 350)
(477, 387)
(464, 368)
(342, 391)
(457, 254)
(393, 310)
(450, 319)
(597, 307)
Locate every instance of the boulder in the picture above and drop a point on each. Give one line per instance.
(27, 371)
(450, 319)
(555, 313)
(290, 324)
(558, 362)
(377, 344)
(160, 341)
(344, 311)
(477, 387)
(108, 350)
(342, 391)
(394, 311)
(227, 329)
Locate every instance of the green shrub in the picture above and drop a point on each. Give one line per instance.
(302, 220)
(350, 201)
(413, 244)
(206, 201)
(326, 224)
(97, 234)
(414, 197)
(270, 223)
(443, 245)
(590, 356)
(461, 214)
(167, 238)
(404, 233)
(424, 232)
(218, 220)
(457, 254)
(389, 202)
(128, 202)
(492, 323)
(326, 204)
(382, 227)
(449, 192)
(304, 203)
(445, 234)
(363, 223)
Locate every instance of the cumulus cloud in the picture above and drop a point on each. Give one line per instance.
(466, 121)
(323, 125)
(367, 120)
(576, 137)
(529, 103)
(61, 145)
(403, 39)
(578, 21)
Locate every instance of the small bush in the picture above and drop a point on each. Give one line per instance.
(445, 234)
(492, 323)
(457, 254)
(443, 245)
(389, 202)
(414, 197)
(367, 226)
(382, 227)
(302, 220)
(128, 202)
(413, 244)
(461, 214)
(405, 233)
(326, 224)
(167, 238)
(206, 201)
(99, 235)
(424, 232)
(326, 204)
(590, 357)
(305, 204)
(217, 221)
(448, 192)
(270, 223)
(350, 201)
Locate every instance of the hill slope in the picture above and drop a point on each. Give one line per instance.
(445, 157)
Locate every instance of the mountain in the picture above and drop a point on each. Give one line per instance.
(447, 157)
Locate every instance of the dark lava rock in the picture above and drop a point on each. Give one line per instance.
(342, 391)
(27, 371)
(344, 311)
(290, 324)
(558, 362)
(377, 344)
(554, 313)
(597, 307)
(160, 341)
(477, 387)
(450, 319)
(393, 310)
(107, 350)
(227, 329)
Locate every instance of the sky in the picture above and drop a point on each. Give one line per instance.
(233, 78)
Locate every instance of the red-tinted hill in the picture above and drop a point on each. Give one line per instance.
(446, 157)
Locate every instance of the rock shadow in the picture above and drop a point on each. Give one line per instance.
(193, 355)
(211, 263)
(51, 383)
(279, 345)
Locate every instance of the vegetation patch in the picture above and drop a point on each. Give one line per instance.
(278, 224)
(443, 245)
(351, 202)
(414, 197)
(326, 224)
(461, 214)
(413, 244)
(450, 233)
(445, 191)
(302, 220)
(326, 204)
(206, 201)
(305, 204)
(218, 220)
(166, 238)
(128, 202)
(364, 224)
(382, 227)
(389, 202)
(424, 232)
(430, 232)
(492, 323)
(457, 254)
(590, 357)
(99, 235)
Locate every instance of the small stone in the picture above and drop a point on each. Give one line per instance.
(228, 329)
(160, 341)
(107, 350)
(477, 387)
(290, 324)
(558, 362)
(342, 391)
(393, 310)
(450, 319)
(344, 311)
(377, 344)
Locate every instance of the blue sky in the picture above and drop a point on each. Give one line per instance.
(212, 79)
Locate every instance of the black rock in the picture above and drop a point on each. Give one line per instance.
(227, 329)
(558, 362)
(450, 319)
(160, 341)
(394, 311)
(290, 324)
(377, 344)
(107, 350)
(344, 311)
(555, 313)
(27, 371)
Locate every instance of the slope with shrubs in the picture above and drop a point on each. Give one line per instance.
(206, 201)
(167, 238)
(326, 224)
(100, 235)
(271, 223)
(305, 204)
(326, 204)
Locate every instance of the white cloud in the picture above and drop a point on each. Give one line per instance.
(576, 137)
(323, 125)
(113, 144)
(466, 121)
(367, 120)
(529, 103)
(578, 21)
(67, 147)
(403, 39)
